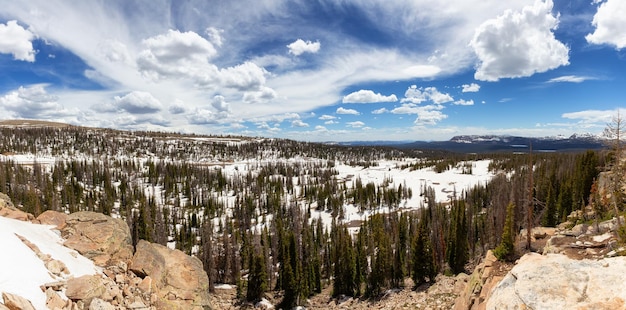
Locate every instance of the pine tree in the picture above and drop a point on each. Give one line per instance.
(257, 278)
(344, 270)
(423, 260)
(505, 250)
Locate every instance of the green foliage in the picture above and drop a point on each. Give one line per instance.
(423, 266)
(505, 250)
(257, 279)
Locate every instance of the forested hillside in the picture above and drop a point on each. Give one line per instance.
(272, 214)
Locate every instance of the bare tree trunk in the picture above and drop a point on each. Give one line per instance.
(530, 208)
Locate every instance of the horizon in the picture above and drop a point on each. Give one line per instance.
(320, 71)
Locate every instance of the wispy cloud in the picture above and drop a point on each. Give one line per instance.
(570, 79)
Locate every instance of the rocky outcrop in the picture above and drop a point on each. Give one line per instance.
(8, 210)
(101, 238)
(555, 281)
(480, 284)
(15, 302)
(178, 280)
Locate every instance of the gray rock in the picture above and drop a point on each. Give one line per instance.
(555, 281)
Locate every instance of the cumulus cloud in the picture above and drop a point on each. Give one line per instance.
(519, 44)
(33, 102)
(265, 94)
(327, 117)
(368, 96)
(215, 35)
(406, 109)
(417, 95)
(610, 24)
(355, 124)
(177, 107)
(470, 88)
(17, 41)
(246, 76)
(298, 123)
(342, 110)
(430, 117)
(464, 102)
(203, 117)
(137, 102)
(219, 103)
(570, 79)
(175, 54)
(380, 111)
(300, 47)
(114, 51)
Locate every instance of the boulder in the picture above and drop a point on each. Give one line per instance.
(178, 279)
(53, 300)
(15, 302)
(101, 238)
(85, 288)
(54, 218)
(555, 281)
(99, 304)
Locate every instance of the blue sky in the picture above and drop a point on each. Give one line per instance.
(317, 70)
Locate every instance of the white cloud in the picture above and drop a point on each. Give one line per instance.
(331, 122)
(592, 116)
(355, 124)
(33, 102)
(246, 76)
(265, 94)
(17, 41)
(320, 128)
(406, 109)
(203, 117)
(368, 96)
(326, 117)
(300, 47)
(137, 102)
(570, 79)
(298, 123)
(176, 54)
(470, 88)
(610, 24)
(178, 107)
(114, 51)
(417, 95)
(464, 102)
(430, 117)
(215, 35)
(519, 43)
(219, 103)
(380, 111)
(342, 110)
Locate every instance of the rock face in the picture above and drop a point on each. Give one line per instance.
(103, 239)
(178, 280)
(480, 285)
(555, 281)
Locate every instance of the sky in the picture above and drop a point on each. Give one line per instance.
(317, 70)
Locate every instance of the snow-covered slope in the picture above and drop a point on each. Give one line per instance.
(22, 272)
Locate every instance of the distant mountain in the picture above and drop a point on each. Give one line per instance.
(497, 143)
